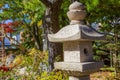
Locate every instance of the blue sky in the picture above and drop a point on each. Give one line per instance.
(5, 6)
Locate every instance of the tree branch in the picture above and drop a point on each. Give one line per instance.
(12, 39)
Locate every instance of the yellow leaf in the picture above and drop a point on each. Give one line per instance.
(33, 20)
(1, 5)
(32, 52)
(39, 23)
(17, 60)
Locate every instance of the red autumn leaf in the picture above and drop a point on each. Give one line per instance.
(8, 26)
(9, 30)
(4, 68)
(9, 23)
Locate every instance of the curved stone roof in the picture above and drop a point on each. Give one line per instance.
(76, 32)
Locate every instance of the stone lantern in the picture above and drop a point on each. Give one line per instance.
(77, 41)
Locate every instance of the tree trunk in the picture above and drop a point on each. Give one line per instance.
(111, 59)
(52, 26)
(34, 31)
(36, 37)
(3, 48)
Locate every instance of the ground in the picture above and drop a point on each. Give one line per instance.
(102, 76)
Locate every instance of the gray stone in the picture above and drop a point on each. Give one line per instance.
(80, 67)
(78, 51)
(76, 33)
(10, 59)
(76, 6)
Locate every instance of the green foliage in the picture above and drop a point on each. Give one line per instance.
(100, 50)
(19, 8)
(98, 9)
(34, 69)
(27, 40)
(107, 69)
(55, 75)
(30, 14)
(91, 4)
(63, 14)
(34, 9)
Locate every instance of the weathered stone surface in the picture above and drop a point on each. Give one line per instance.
(76, 13)
(76, 6)
(80, 15)
(76, 33)
(86, 67)
(77, 51)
